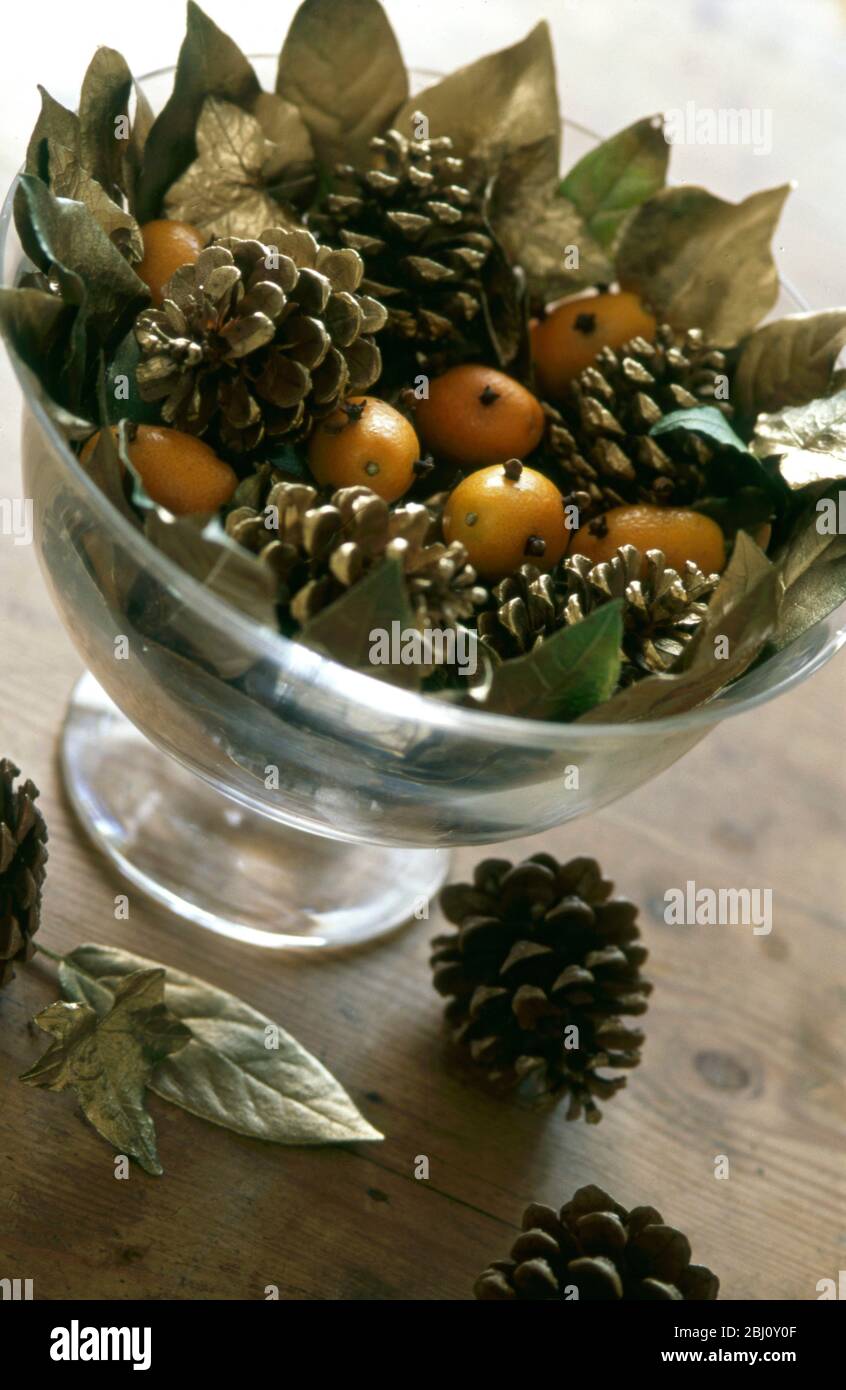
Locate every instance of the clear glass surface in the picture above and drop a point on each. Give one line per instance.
(210, 761)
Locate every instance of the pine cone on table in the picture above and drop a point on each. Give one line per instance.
(662, 610)
(421, 232)
(543, 965)
(319, 549)
(599, 436)
(593, 1249)
(23, 856)
(257, 337)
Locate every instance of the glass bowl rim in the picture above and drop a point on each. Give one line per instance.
(299, 662)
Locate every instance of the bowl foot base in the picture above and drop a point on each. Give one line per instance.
(220, 865)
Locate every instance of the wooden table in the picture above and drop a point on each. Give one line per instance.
(744, 1054)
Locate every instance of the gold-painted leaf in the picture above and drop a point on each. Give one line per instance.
(239, 1070)
(497, 104)
(788, 362)
(209, 64)
(63, 234)
(541, 231)
(109, 1059)
(704, 263)
(810, 439)
(341, 67)
(617, 176)
(106, 88)
(743, 610)
(143, 118)
(223, 191)
(68, 179)
(812, 566)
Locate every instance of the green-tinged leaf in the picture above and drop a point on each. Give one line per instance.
(499, 104)
(341, 67)
(210, 64)
(810, 439)
(104, 98)
(703, 263)
(702, 419)
(122, 400)
(539, 230)
(788, 362)
(224, 192)
(65, 235)
(108, 1056)
(230, 1073)
(575, 669)
(742, 613)
(68, 179)
(617, 176)
(733, 469)
(343, 630)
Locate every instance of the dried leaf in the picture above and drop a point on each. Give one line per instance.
(575, 669)
(539, 229)
(810, 439)
(342, 629)
(230, 1073)
(788, 362)
(704, 263)
(105, 93)
(223, 191)
(498, 104)
(63, 234)
(209, 64)
(743, 610)
(68, 179)
(341, 67)
(617, 176)
(108, 1057)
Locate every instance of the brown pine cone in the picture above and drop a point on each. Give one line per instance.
(543, 965)
(595, 1250)
(23, 855)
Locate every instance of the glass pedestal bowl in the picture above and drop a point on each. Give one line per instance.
(265, 792)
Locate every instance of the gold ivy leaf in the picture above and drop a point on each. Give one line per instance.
(209, 64)
(341, 67)
(496, 105)
(537, 226)
(108, 1061)
(704, 263)
(224, 191)
(811, 440)
(788, 362)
